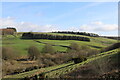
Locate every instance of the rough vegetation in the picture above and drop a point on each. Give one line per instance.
(8, 53)
(97, 68)
(34, 53)
(44, 59)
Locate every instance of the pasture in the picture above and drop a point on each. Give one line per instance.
(55, 70)
(21, 45)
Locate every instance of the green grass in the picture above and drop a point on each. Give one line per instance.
(21, 45)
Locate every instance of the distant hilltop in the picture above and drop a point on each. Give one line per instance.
(8, 31)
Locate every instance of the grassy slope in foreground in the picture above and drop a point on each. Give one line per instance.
(62, 71)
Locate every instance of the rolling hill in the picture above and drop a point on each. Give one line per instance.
(21, 45)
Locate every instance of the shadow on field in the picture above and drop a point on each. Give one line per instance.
(52, 45)
(65, 46)
(95, 46)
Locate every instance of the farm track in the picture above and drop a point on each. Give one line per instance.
(59, 71)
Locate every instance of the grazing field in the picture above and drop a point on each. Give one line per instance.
(48, 64)
(21, 45)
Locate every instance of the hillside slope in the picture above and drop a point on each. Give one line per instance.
(21, 45)
(61, 70)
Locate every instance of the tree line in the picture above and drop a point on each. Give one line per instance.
(31, 35)
(78, 33)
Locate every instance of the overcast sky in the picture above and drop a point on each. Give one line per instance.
(96, 17)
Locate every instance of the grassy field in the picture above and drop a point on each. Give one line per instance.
(56, 71)
(21, 45)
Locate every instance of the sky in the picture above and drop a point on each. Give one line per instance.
(94, 17)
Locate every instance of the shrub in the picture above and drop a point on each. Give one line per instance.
(48, 62)
(74, 47)
(90, 52)
(33, 52)
(81, 50)
(8, 53)
(79, 59)
(48, 49)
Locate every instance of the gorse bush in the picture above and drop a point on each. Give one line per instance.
(33, 52)
(48, 49)
(8, 53)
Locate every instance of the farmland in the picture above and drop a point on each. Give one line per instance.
(52, 65)
(21, 45)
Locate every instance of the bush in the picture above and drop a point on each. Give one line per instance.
(48, 49)
(74, 47)
(8, 53)
(82, 50)
(90, 52)
(33, 52)
(79, 59)
(48, 63)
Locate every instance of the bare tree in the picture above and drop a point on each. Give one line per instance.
(33, 52)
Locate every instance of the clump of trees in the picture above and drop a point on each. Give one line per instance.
(78, 33)
(78, 55)
(74, 47)
(31, 35)
(79, 59)
(81, 49)
(80, 52)
(33, 53)
(48, 48)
